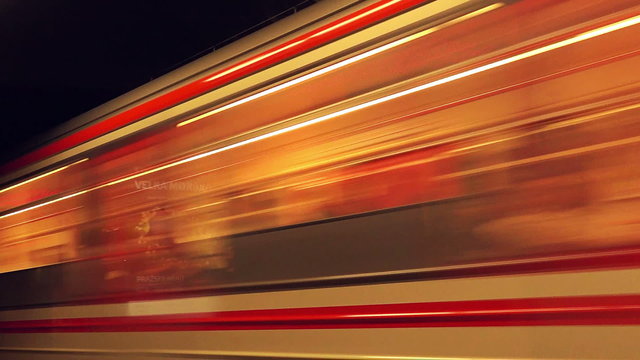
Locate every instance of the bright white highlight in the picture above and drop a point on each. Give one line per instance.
(575, 39)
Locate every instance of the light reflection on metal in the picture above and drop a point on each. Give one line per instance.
(42, 175)
(279, 50)
(42, 217)
(340, 64)
(512, 59)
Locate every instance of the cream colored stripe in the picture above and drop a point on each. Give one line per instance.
(497, 342)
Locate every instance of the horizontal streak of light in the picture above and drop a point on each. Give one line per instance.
(527, 54)
(46, 203)
(368, 172)
(42, 218)
(545, 157)
(42, 175)
(497, 312)
(205, 205)
(279, 50)
(339, 64)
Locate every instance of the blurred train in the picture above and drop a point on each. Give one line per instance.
(382, 179)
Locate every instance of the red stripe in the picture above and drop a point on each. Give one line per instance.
(357, 20)
(591, 310)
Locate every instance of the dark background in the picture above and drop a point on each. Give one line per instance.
(60, 58)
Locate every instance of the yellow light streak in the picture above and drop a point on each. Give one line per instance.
(42, 175)
(527, 54)
(339, 64)
(276, 51)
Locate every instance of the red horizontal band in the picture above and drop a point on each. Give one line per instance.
(324, 34)
(591, 310)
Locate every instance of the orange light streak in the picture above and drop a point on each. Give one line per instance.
(512, 59)
(340, 64)
(42, 175)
